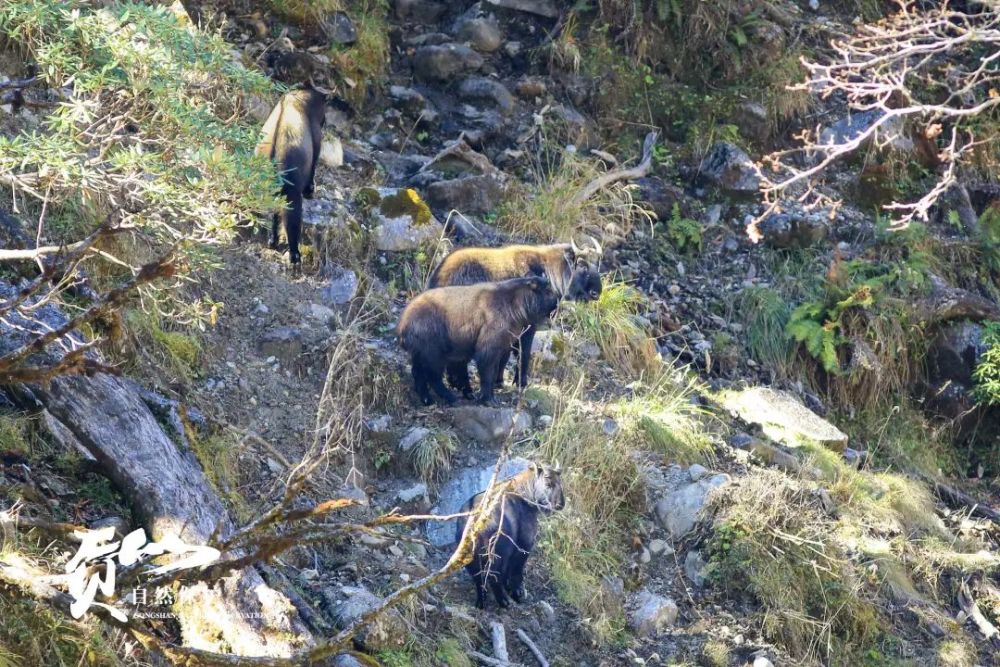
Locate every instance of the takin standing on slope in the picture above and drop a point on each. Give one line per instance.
(445, 328)
(502, 548)
(467, 266)
(293, 137)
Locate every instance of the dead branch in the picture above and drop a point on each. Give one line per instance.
(968, 605)
(954, 497)
(492, 662)
(606, 179)
(523, 636)
(499, 639)
(19, 83)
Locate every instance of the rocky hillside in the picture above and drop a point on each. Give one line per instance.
(774, 453)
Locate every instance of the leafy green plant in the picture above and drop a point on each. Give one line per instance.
(684, 233)
(987, 372)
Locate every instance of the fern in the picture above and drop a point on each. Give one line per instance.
(819, 338)
(683, 232)
(987, 373)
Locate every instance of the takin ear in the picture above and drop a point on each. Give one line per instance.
(535, 468)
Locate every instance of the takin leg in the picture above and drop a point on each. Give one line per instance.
(420, 383)
(502, 366)
(515, 576)
(435, 378)
(458, 378)
(475, 571)
(487, 362)
(293, 227)
(524, 357)
(275, 227)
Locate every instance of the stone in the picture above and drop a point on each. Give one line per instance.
(402, 220)
(679, 511)
(340, 29)
(610, 427)
(955, 351)
(481, 32)
(388, 631)
(419, 11)
(442, 63)
(459, 159)
(488, 424)
(546, 345)
(346, 660)
(546, 8)
(790, 230)
(399, 169)
(478, 89)
(659, 196)
(579, 130)
(413, 437)
(752, 120)
(331, 153)
(696, 472)
(407, 99)
(783, 418)
(729, 168)
(342, 286)
(694, 568)
(321, 313)
(762, 661)
(851, 126)
(458, 489)
(120, 525)
(660, 547)
(284, 344)
(412, 493)
(474, 195)
(530, 88)
(651, 614)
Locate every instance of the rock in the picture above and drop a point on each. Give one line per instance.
(728, 167)
(481, 32)
(475, 195)
(955, 351)
(679, 511)
(412, 493)
(694, 568)
(660, 547)
(610, 427)
(284, 343)
(650, 614)
(547, 345)
(413, 437)
(854, 124)
(788, 230)
(400, 169)
(120, 525)
(390, 629)
(460, 488)
(402, 220)
(762, 661)
(346, 660)
(659, 196)
(696, 472)
(342, 287)
(321, 313)
(487, 424)
(331, 153)
(340, 29)
(579, 130)
(444, 62)
(783, 418)
(752, 120)
(546, 8)
(484, 89)
(419, 11)
(407, 99)
(458, 159)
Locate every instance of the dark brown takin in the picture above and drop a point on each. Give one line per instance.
(446, 327)
(562, 263)
(502, 548)
(293, 136)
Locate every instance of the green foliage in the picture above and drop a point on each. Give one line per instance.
(362, 65)
(765, 314)
(449, 653)
(431, 457)
(987, 372)
(33, 634)
(684, 233)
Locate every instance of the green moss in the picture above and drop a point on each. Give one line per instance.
(406, 202)
(449, 652)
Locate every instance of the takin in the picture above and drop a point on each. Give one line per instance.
(293, 137)
(503, 547)
(446, 327)
(467, 266)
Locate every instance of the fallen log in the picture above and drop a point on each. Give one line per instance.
(606, 179)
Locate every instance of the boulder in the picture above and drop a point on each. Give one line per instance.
(479, 89)
(659, 196)
(413, 437)
(850, 126)
(650, 614)
(546, 8)
(444, 62)
(955, 351)
(695, 568)
(331, 153)
(458, 159)
(402, 220)
(388, 631)
(787, 230)
(752, 120)
(342, 286)
(419, 11)
(460, 488)
(680, 510)
(407, 99)
(487, 424)
(480, 31)
(783, 418)
(729, 168)
(475, 195)
(340, 30)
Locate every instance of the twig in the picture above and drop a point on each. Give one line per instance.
(499, 638)
(606, 179)
(523, 636)
(953, 496)
(971, 609)
(492, 662)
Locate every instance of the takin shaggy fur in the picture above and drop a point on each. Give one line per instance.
(446, 327)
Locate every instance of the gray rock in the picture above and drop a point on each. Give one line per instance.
(346, 660)
(413, 437)
(406, 231)
(849, 127)
(460, 488)
(790, 230)
(415, 492)
(783, 418)
(660, 547)
(458, 159)
(389, 630)
(728, 167)
(343, 286)
(407, 99)
(659, 196)
(580, 130)
(479, 89)
(340, 29)
(480, 31)
(650, 614)
(444, 62)
(120, 525)
(487, 424)
(752, 120)
(321, 313)
(331, 153)
(696, 472)
(419, 11)
(694, 568)
(283, 343)
(400, 168)
(475, 195)
(955, 351)
(760, 660)
(680, 510)
(546, 8)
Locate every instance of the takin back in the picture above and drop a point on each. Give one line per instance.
(502, 548)
(446, 327)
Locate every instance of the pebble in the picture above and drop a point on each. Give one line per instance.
(674, 289)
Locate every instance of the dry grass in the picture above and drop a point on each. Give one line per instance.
(545, 211)
(613, 323)
(431, 457)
